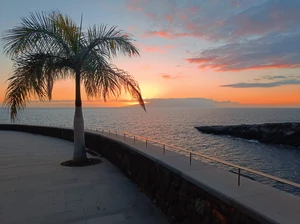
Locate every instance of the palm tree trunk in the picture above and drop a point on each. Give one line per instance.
(79, 142)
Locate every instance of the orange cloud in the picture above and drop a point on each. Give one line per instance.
(160, 33)
(169, 46)
(169, 34)
(166, 76)
(258, 67)
(170, 18)
(198, 60)
(155, 48)
(221, 64)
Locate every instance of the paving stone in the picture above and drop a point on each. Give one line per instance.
(65, 216)
(79, 222)
(35, 220)
(108, 219)
(73, 205)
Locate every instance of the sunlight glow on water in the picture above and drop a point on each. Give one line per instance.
(176, 126)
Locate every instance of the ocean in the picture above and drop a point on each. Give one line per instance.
(175, 126)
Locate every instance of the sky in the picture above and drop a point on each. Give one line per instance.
(230, 52)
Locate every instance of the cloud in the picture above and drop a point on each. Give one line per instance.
(256, 34)
(199, 60)
(263, 85)
(155, 48)
(236, 20)
(263, 53)
(165, 33)
(166, 76)
(274, 77)
(272, 16)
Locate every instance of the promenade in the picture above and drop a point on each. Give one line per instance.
(36, 189)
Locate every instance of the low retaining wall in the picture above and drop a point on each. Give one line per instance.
(178, 198)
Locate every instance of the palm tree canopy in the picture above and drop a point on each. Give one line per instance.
(47, 47)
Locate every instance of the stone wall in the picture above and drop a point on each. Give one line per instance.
(62, 133)
(180, 200)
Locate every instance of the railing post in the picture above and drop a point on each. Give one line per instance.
(164, 149)
(146, 142)
(239, 177)
(190, 158)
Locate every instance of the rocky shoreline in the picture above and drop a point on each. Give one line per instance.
(270, 133)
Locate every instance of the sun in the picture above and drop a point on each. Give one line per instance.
(150, 90)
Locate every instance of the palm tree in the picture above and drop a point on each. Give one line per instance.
(48, 47)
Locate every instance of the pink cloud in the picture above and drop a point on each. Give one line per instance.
(260, 67)
(194, 9)
(151, 15)
(169, 46)
(145, 66)
(155, 48)
(160, 33)
(279, 53)
(166, 76)
(198, 60)
(169, 18)
(237, 19)
(169, 34)
(221, 65)
(255, 34)
(134, 5)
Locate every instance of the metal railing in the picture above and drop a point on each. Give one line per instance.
(191, 153)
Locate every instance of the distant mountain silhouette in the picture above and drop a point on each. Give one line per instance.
(188, 102)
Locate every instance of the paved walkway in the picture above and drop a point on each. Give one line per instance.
(34, 188)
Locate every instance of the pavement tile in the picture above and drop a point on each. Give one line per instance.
(112, 219)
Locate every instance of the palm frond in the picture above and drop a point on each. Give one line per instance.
(34, 76)
(38, 32)
(67, 29)
(103, 80)
(108, 42)
(130, 85)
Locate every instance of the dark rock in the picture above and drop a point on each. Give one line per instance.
(175, 213)
(200, 206)
(186, 221)
(172, 196)
(276, 133)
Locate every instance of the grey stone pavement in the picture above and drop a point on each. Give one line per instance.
(34, 188)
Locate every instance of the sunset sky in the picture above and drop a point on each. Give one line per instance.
(244, 51)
